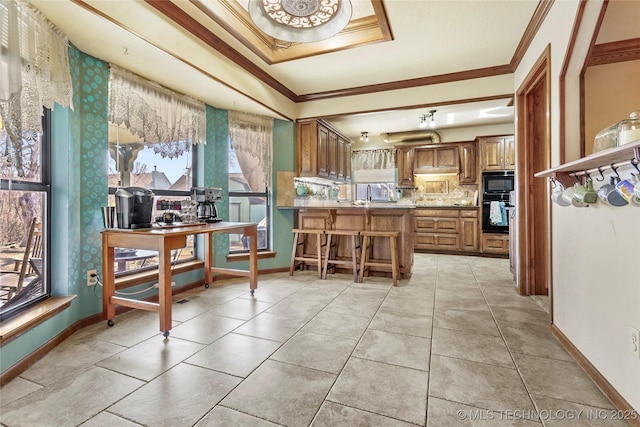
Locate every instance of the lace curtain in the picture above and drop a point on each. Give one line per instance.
(34, 70)
(165, 120)
(252, 139)
(373, 159)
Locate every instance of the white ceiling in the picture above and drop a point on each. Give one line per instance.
(430, 38)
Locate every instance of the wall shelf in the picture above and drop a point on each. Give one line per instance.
(602, 160)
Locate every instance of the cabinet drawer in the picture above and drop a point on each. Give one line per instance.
(469, 213)
(443, 225)
(438, 213)
(495, 243)
(450, 242)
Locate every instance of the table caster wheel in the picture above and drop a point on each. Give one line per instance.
(206, 285)
(252, 291)
(165, 334)
(110, 323)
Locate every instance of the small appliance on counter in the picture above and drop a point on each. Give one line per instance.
(133, 207)
(206, 198)
(168, 215)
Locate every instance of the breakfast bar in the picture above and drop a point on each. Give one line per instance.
(164, 240)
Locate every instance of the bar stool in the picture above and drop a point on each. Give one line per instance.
(298, 257)
(331, 254)
(369, 238)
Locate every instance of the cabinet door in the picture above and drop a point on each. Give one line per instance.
(491, 154)
(404, 163)
(332, 155)
(469, 234)
(495, 243)
(509, 150)
(436, 160)
(468, 162)
(341, 162)
(307, 148)
(347, 162)
(323, 151)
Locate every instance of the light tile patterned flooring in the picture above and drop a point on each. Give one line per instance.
(453, 345)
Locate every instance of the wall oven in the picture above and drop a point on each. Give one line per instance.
(496, 187)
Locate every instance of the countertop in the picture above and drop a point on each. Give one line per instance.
(401, 204)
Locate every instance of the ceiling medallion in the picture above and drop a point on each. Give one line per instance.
(300, 21)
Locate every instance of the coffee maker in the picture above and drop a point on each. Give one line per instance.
(206, 198)
(133, 207)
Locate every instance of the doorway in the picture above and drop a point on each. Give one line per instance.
(533, 145)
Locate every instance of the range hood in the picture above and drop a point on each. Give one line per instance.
(411, 137)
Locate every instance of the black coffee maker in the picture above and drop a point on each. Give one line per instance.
(206, 198)
(133, 207)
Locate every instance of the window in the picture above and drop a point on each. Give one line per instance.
(24, 198)
(151, 135)
(246, 206)
(250, 146)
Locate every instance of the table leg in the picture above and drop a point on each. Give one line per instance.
(164, 290)
(208, 259)
(108, 282)
(253, 262)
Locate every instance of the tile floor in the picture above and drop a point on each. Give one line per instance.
(454, 345)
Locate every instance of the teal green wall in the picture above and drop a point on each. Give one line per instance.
(79, 189)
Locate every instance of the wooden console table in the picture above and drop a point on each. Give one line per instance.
(164, 240)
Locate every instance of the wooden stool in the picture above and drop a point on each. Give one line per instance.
(369, 237)
(332, 246)
(298, 250)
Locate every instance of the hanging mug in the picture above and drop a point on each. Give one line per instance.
(585, 193)
(626, 189)
(609, 194)
(558, 196)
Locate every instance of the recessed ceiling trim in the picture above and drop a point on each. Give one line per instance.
(506, 96)
(181, 18)
(618, 51)
(409, 83)
(99, 13)
(231, 16)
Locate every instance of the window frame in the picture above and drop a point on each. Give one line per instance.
(171, 193)
(268, 214)
(44, 186)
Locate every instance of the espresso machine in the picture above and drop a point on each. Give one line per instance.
(133, 207)
(206, 198)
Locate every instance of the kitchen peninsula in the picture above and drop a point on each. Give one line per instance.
(333, 215)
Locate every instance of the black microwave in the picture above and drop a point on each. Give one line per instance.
(498, 182)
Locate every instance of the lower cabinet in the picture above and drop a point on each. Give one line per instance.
(452, 230)
(495, 243)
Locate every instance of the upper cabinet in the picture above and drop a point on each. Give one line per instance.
(468, 163)
(437, 160)
(497, 153)
(404, 164)
(322, 151)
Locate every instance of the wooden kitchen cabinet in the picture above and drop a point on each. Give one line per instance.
(404, 164)
(497, 153)
(468, 163)
(452, 230)
(322, 151)
(437, 160)
(495, 243)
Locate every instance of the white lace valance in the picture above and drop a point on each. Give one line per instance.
(165, 120)
(252, 139)
(34, 72)
(373, 159)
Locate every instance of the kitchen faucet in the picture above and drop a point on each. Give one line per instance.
(368, 192)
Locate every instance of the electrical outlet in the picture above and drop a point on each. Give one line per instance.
(157, 285)
(92, 277)
(635, 341)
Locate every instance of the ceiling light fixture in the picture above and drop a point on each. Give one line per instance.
(364, 136)
(431, 123)
(300, 21)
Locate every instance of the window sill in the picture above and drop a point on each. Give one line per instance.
(31, 317)
(245, 256)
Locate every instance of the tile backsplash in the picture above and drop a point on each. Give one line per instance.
(443, 189)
